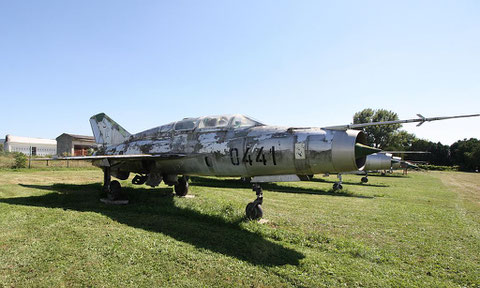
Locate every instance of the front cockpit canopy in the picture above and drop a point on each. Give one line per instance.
(203, 123)
(228, 121)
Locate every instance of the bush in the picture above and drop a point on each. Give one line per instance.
(438, 168)
(20, 160)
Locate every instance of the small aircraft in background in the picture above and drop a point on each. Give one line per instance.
(382, 161)
(227, 145)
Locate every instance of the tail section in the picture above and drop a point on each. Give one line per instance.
(106, 131)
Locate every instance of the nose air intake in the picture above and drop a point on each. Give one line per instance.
(362, 150)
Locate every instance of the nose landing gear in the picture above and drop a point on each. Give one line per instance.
(338, 185)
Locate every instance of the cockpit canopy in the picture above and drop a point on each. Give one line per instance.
(204, 123)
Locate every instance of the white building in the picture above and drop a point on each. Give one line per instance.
(33, 146)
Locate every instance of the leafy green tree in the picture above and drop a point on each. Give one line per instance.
(20, 160)
(378, 136)
(439, 154)
(466, 154)
(401, 141)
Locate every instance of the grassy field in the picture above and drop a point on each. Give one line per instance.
(415, 231)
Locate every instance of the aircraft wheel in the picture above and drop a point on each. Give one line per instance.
(254, 211)
(337, 186)
(364, 179)
(181, 189)
(115, 190)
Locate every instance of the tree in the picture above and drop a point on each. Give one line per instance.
(466, 154)
(439, 154)
(378, 136)
(401, 141)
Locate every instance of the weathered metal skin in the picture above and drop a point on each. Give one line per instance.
(242, 152)
(378, 161)
(396, 163)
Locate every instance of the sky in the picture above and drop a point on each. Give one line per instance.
(286, 63)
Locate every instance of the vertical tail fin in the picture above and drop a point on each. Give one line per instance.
(106, 131)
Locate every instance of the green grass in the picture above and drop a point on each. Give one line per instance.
(394, 231)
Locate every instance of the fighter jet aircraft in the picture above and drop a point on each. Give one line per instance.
(227, 145)
(382, 161)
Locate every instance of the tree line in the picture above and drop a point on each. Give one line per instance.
(463, 153)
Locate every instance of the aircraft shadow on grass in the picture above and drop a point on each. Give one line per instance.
(154, 210)
(388, 175)
(276, 187)
(322, 180)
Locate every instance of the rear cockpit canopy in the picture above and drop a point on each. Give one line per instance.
(202, 123)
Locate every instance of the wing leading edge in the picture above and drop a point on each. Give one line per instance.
(125, 157)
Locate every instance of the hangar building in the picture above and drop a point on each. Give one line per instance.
(30, 146)
(74, 145)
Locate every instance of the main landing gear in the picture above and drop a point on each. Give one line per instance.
(112, 189)
(181, 189)
(254, 209)
(364, 179)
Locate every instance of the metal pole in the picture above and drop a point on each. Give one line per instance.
(30, 159)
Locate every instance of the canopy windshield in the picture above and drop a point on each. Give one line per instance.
(235, 121)
(207, 122)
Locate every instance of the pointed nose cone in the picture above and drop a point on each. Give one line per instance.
(362, 150)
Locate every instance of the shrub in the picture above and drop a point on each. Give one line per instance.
(438, 168)
(20, 160)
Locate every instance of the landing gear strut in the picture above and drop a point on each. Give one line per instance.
(181, 189)
(107, 178)
(112, 189)
(338, 185)
(254, 209)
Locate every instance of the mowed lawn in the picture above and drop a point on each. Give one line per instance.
(395, 231)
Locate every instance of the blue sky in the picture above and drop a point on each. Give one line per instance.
(289, 63)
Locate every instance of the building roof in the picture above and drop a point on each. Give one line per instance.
(80, 137)
(28, 140)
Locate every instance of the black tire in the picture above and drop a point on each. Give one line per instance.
(254, 211)
(364, 179)
(115, 190)
(181, 189)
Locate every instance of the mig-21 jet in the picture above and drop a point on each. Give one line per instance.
(227, 145)
(381, 161)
